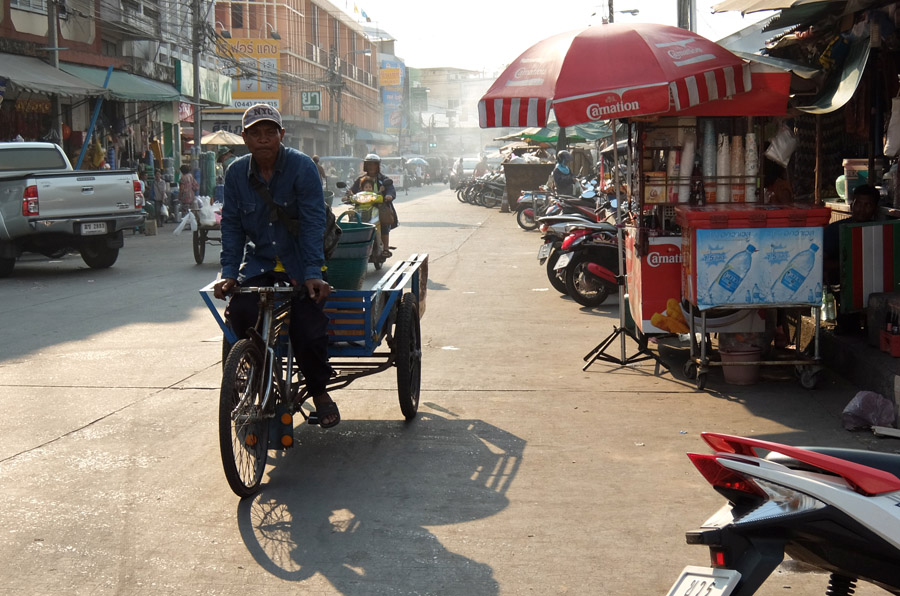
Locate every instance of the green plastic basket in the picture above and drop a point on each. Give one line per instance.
(346, 269)
(355, 232)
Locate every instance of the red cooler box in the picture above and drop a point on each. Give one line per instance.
(742, 255)
(654, 285)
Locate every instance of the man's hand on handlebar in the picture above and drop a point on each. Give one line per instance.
(223, 287)
(318, 289)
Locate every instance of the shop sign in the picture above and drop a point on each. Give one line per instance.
(33, 106)
(390, 77)
(185, 112)
(254, 79)
(311, 101)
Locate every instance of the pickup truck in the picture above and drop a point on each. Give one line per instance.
(49, 208)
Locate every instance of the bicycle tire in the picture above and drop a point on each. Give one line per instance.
(408, 355)
(243, 429)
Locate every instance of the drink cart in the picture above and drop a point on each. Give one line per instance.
(705, 254)
(751, 257)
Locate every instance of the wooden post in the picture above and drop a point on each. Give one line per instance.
(819, 165)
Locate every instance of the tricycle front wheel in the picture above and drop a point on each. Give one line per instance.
(408, 355)
(243, 427)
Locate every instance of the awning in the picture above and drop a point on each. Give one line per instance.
(36, 76)
(843, 84)
(124, 85)
(801, 70)
(746, 6)
(374, 137)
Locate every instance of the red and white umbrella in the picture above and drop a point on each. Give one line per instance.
(612, 71)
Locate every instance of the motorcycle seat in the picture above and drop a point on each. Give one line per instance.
(601, 226)
(887, 462)
(589, 203)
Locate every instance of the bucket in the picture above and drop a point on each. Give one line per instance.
(741, 374)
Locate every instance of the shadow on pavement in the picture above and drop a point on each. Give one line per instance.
(349, 504)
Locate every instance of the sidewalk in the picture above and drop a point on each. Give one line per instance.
(862, 365)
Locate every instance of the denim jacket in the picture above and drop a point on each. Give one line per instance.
(250, 242)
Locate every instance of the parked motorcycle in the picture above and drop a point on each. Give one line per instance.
(365, 206)
(834, 509)
(587, 258)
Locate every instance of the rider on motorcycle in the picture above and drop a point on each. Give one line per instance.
(385, 187)
(563, 178)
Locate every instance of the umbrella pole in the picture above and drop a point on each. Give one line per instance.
(598, 353)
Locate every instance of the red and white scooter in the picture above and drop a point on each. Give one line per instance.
(835, 509)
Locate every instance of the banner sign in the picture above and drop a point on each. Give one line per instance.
(253, 66)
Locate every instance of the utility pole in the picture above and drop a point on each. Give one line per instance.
(198, 120)
(333, 92)
(687, 14)
(53, 43)
(611, 12)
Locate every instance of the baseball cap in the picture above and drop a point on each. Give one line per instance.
(258, 113)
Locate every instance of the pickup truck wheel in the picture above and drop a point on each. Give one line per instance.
(97, 255)
(6, 267)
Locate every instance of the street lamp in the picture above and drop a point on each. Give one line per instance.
(337, 90)
(270, 29)
(224, 32)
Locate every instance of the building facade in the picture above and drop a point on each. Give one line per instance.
(309, 59)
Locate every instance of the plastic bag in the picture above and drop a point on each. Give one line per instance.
(868, 409)
(186, 221)
(207, 215)
(163, 211)
(892, 137)
(782, 146)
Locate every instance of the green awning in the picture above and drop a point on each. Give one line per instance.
(36, 76)
(842, 85)
(124, 85)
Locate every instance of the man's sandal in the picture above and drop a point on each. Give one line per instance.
(329, 409)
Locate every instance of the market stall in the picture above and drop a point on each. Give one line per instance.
(706, 245)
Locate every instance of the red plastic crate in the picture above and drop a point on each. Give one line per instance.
(890, 343)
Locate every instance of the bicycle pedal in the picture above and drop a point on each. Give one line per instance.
(313, 419)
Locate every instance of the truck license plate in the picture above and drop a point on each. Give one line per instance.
(93, 228)
(544, 250)
(705, 581)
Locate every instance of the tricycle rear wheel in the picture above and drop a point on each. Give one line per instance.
(199, 246)
(408, 355)
(243, 427)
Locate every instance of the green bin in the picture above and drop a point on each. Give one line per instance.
(346, 269)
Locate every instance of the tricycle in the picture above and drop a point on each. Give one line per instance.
(202, 236)
(262, 387)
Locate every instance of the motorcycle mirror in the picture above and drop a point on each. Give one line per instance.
(341, 184)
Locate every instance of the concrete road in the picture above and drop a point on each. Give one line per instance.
(522, 475)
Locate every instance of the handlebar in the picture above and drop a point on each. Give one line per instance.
(209, 288)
